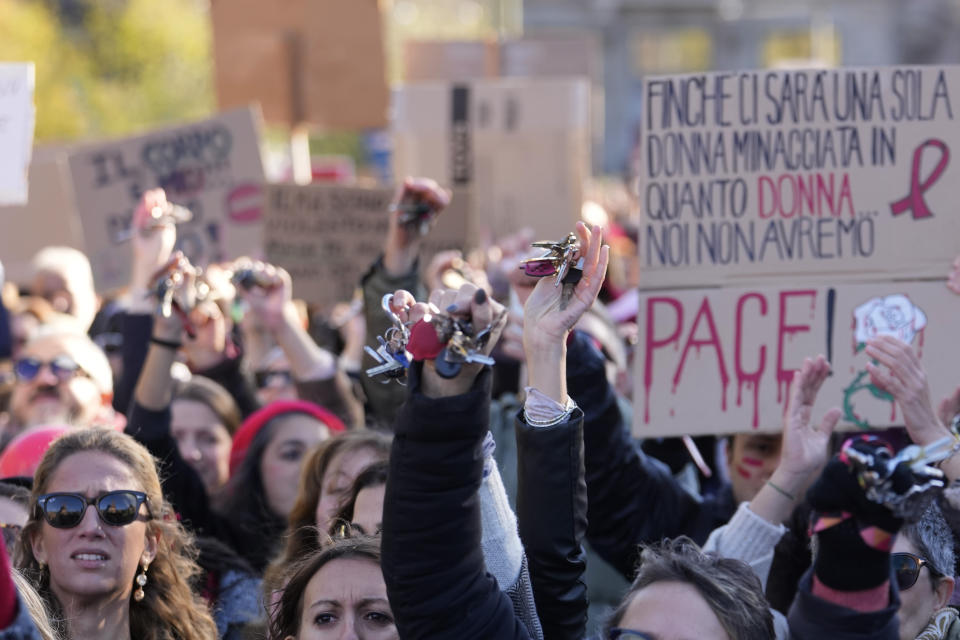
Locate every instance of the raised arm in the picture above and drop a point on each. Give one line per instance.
(552, 492)
(432, 559)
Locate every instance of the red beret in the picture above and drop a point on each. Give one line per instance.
(252, 425)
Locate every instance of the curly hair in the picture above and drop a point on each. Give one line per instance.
(301, 537)
(728, 586)
(170, 610)
(286, 611)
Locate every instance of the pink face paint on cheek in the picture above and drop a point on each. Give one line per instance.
(743, 472)
(753, 462)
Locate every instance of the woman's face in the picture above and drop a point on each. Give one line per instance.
(368, 509)
(93, 560)
(294, 435)
(337, 480)
(347, 598)
(203, 441)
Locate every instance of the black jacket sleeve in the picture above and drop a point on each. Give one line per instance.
(552, 513)
(136, 329)
(229, 376)
(812, 618)
(432, 559)
(631, 498)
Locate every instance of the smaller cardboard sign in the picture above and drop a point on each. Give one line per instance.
(721, 360)
(327, 236)
(17, 115)
(212, 167)
(522, 147)
(48, 219)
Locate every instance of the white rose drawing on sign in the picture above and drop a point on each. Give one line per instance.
(892, 315)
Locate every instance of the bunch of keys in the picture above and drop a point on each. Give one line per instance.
(415, 212)
(560, 260)
(905, 482)
(392, 356)
(164, 290)
(159, 216)
(462, 345)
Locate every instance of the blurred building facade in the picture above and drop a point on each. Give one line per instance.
(643, 37)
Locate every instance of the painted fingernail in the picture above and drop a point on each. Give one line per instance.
(451, 308)
(480, 296)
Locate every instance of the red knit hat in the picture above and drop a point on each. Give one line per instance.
(22, 456)
(252, 425)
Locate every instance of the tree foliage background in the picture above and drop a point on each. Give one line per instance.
(111, 67)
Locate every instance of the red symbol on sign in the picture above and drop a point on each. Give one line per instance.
(913, 201)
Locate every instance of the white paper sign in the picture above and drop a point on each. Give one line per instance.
(16, 129)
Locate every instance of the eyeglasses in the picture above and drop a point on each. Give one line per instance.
(116, 508)
(265, 379)
(62, 367)
(906, 569)
(627, 634)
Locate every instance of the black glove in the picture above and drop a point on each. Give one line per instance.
(854, 549)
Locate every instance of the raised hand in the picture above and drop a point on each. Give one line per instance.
(152, 240)
(403, 242)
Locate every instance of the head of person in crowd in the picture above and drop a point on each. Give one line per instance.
(751, 460)
(362, 510)
(62, 377)
(27, 315)
(274, 378)
(328, 474)
(63, 277)
(265, 462)
(103, 546)
(335, 592)
(204, 417)
(14, 512)
(923, 559)
(681, 591)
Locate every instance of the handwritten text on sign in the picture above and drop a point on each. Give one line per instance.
(786, 171)
(721, 360)
(211, 167)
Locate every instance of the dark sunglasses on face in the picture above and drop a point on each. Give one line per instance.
(266, 379)
(906, 569)
(62, 367)
(627, 634)
(115, 508)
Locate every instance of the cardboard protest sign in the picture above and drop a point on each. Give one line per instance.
(756, 174)
(327, 236)
(17, 117)
(212, 167)
(522, 147)
(314, 62)
(48, 219)
(720, 360)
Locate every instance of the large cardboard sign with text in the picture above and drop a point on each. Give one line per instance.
(212, 167)
(17, 116)
(327, 236)
(766, 174)
(720, 360)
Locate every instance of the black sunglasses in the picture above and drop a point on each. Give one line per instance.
(62, 367)
(116, 508)
(906, 569)
(627, 634)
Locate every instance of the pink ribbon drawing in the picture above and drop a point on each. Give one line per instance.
(913, 201)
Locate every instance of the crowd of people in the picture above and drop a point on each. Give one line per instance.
(202, 456)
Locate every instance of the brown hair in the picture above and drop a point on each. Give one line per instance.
(301, 537)
(285, 614)
(170, 610)
(728, 586)
(209, 393)
(374, 475)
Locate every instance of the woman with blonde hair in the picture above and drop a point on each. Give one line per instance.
(122, 568)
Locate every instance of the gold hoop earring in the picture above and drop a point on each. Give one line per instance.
(141, 581)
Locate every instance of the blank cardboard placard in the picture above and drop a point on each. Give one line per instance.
(48, 219)
(520, 145)
(327, 236)
(720, 360)
(212, 167)
(770, 174)
(17, 115)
